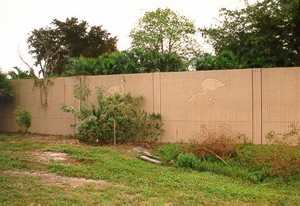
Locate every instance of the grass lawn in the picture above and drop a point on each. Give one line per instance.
(88, 175)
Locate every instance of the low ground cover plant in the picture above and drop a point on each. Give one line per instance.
(117, 112)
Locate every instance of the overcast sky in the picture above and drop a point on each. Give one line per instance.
(19, 17)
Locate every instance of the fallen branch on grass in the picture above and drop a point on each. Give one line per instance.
(214, 154)
(148, 159)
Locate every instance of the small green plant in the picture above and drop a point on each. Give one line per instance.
(169, 152)
(23, 119)
(186, 160)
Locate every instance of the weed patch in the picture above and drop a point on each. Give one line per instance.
(221, 152)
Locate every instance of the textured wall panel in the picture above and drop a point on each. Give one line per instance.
(280, 99)
(191, 99)
(249, 101)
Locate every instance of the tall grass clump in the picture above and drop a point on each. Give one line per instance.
(218, 142)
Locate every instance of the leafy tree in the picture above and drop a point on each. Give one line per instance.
(165, 31)
(51, 46)
(5, 88)
(265, 34)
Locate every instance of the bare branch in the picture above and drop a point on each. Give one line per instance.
(217, 156)
(30, 68)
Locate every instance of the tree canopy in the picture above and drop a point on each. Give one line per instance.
(165, 31)
(52, 46)
(265, 34)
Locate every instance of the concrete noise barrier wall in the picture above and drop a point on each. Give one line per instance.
(250, 101)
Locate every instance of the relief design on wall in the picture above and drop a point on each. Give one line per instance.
(117, 88)
(207, 86)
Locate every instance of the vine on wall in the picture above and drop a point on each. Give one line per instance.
(43, 85)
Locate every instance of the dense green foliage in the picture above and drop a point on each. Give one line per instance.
(165, 31)
(51, 46)
(225, 60)
(5, 88)
(125, 62)
(23, 119)
(265, 34)
(186, 160)
(18, 73)
(96, 122)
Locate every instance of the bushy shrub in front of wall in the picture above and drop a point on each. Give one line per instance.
(96, 122)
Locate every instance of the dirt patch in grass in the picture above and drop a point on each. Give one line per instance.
(51, 156)
(129, 196)
(62, 180)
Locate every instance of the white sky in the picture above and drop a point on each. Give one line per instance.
(19, 17)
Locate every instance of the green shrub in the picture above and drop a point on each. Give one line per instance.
(125, 62)
(168, 152)
(186, 160)
(5, 88)
(23, 119)
(96, 122)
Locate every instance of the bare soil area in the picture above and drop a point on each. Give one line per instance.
(51, 156)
